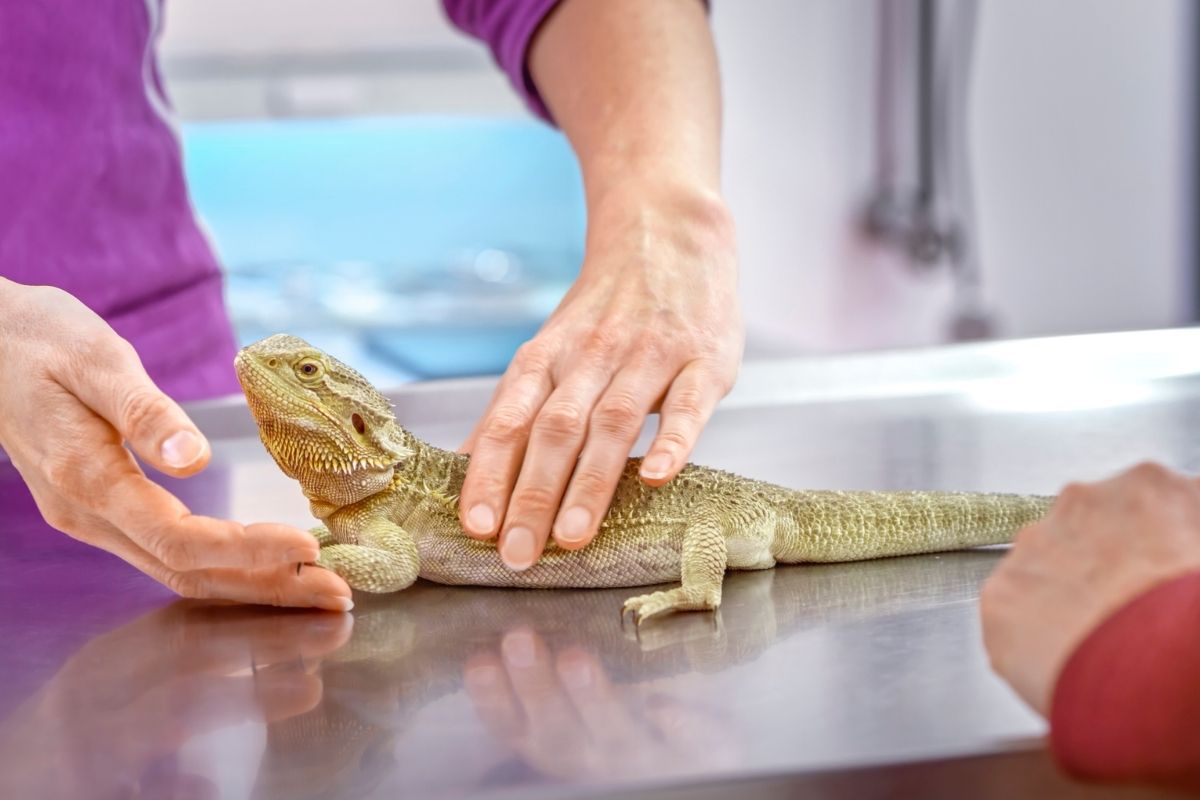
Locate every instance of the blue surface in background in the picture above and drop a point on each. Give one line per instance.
(383, 189)
(408, 195)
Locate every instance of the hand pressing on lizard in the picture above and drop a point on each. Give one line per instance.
(1100, 546)
(651, 325)
(74, 402)
(652, 322)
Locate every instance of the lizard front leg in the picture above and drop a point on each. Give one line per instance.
(702, 568)
(370, 552)
(322, 535)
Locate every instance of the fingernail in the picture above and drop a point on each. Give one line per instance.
(518, 649)
(656, 466)
(518, 550)
(575, 673)
(481, 520)
(334, 602)
(575, 524)
(300, 555)
(182, 449)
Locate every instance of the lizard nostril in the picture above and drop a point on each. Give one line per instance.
(272, 362)
(358, 423)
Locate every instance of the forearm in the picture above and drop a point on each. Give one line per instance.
(634, 86)
(652, 324)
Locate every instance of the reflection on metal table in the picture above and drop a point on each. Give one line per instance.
(835, 678)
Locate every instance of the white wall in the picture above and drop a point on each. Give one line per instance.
(1079, 117)
(253, 58)
(1078, 123)
(1081, 125)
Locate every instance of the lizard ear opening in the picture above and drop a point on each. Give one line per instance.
(357, 421)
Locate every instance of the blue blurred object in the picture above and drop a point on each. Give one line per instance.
(416, 247)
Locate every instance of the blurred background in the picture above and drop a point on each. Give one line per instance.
(902, 172)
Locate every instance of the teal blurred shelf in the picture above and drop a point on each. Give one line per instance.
(441, 243)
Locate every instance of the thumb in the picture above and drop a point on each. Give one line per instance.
(154, 425)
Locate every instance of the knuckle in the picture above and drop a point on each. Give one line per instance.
(62, 471)
(674, 439)
(60, 517)
(277, 595)
(1151, 472)
(594, 486)
(142, 411)
(687, 402)
(720, 375)
(174, 552)
(1072, 495)
(186, 584)
(534, 500)
(561, 421)
(724, 380)
(603, 342)
(657, 348)
(533, 356)
(618, 414)
(506, 425)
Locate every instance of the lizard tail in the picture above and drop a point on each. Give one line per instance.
(849, 526)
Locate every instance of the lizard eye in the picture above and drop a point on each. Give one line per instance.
(358, 423)
(309, 369)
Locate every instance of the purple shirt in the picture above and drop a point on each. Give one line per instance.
(92, 191)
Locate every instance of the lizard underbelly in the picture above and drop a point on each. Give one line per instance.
(613, 559)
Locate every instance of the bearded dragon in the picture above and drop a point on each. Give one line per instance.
(389, 504)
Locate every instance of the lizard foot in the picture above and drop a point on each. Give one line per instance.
(684, 598)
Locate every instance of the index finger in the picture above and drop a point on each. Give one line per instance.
(159, 523)
(94, 472)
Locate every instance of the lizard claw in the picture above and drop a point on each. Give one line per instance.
(682, 598)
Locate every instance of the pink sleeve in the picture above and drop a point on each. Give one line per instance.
(1127, 705)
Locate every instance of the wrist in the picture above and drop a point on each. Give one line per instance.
(691, 214)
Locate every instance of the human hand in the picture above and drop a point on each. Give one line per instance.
(132, 699)
(563, 715)
(652, 323)
(74, 392)
(1100, 546)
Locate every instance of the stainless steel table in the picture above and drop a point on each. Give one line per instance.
(850, 678)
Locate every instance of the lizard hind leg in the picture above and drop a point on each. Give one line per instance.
(702, 568)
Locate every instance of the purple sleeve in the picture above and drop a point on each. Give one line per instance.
(507, 26)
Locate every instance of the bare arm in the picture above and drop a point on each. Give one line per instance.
(652, 322)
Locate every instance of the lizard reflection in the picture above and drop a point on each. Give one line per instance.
(135, 708)
(556, 679)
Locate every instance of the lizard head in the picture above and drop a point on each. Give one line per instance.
(322, 422)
